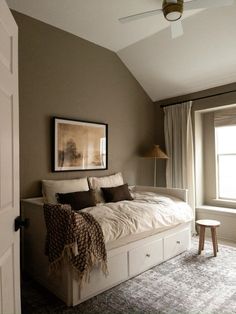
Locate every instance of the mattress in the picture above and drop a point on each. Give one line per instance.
(135, 237)
(148, 214)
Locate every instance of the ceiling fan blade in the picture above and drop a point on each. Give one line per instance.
(139, 16)
(176, 29)
(205, 4)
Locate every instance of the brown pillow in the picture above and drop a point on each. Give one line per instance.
(117, 193)
(77, 200)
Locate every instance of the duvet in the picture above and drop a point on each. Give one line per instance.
(148, 211)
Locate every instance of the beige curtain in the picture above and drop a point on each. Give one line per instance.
(179, 148)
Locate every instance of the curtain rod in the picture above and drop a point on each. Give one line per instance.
(199, 98)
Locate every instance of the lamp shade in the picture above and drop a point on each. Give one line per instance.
(156, 152)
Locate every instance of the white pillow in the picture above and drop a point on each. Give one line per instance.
(51, 187)
(96, 183)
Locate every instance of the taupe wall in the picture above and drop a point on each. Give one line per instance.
(159, 128)
(63, 75)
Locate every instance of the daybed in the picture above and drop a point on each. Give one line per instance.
(129, 253)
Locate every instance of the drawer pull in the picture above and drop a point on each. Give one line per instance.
(148, 255)
(178, 242)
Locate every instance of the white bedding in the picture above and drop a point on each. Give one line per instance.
(148, 213)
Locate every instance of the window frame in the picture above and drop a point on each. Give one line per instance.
(207, 179)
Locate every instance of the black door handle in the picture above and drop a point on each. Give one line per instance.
(20, 223)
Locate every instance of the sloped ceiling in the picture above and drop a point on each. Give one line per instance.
(204, 57)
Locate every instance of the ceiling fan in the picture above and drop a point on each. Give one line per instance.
(173, 10)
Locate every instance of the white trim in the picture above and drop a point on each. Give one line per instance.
(217, 210)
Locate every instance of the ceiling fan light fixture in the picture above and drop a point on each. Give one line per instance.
(172, 10)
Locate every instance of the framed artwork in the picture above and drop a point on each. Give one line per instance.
(79, 145)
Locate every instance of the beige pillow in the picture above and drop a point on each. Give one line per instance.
(96, 183)
(51, 187)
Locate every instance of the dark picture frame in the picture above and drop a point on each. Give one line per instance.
(79, 145)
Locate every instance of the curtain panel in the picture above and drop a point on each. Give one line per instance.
(179, 148)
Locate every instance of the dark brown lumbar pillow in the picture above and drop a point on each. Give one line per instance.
(77, 200)
(117, 193)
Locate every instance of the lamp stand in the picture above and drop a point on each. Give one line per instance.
(156, 153)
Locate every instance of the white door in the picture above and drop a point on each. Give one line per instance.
(9, 164)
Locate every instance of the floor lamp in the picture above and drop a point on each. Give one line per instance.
(156, 153)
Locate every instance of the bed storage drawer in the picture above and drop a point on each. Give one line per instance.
(142, 258)
(118, 272)
(176, 243)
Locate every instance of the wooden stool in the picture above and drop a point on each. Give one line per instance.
(203, 224)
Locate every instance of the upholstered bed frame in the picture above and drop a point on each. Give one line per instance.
(124, 262)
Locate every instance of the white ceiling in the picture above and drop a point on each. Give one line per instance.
(204, 57)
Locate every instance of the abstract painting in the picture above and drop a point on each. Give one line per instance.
(79, 145)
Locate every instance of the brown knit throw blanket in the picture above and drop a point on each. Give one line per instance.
(75, 237)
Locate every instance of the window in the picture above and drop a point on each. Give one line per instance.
(225, 138)
(215, 157)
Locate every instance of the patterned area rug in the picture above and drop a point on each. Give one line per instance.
(187, 283)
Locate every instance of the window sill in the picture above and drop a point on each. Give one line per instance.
(225, 203)
(223, 211)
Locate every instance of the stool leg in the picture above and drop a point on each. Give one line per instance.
(203, 237)
(217, 249)
(214, 242)
(200, 240)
